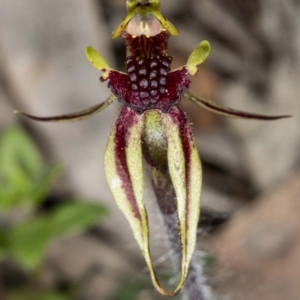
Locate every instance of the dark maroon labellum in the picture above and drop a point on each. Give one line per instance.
(149, 83)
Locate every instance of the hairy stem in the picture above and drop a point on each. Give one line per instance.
(195, 287)
(155, 153)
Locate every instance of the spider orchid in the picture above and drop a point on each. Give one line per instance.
(152, 125)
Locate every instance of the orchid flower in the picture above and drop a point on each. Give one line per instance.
(152, 125)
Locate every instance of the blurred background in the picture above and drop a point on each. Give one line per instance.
(61, 234)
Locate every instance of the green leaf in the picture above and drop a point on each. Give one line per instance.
(3, 244)
(54, 296)
(18, 152)
(45, 181)
(12, 196)
(133, 289)
(29, 294)
(197, 57)
(75, 217)
(20, 166)
(96, 59)
(129, 290)
(29, 239)
(23, 180)
(28, 242)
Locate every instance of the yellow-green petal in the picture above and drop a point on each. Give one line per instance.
(96, 59)
(198, 56)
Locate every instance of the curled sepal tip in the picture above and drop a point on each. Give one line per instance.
(72, 117)
(229, 112)
(198, 56)
(96, 59)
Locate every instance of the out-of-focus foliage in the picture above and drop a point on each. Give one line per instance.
(24, 184)
(28, 240)
(24, 180)
(129, 291)
(30, 295)
(139, 289)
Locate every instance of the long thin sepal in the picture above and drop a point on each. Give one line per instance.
(77, 116)
(229, 112)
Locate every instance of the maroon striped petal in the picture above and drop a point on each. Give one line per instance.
(186, 174)
(124, 174)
